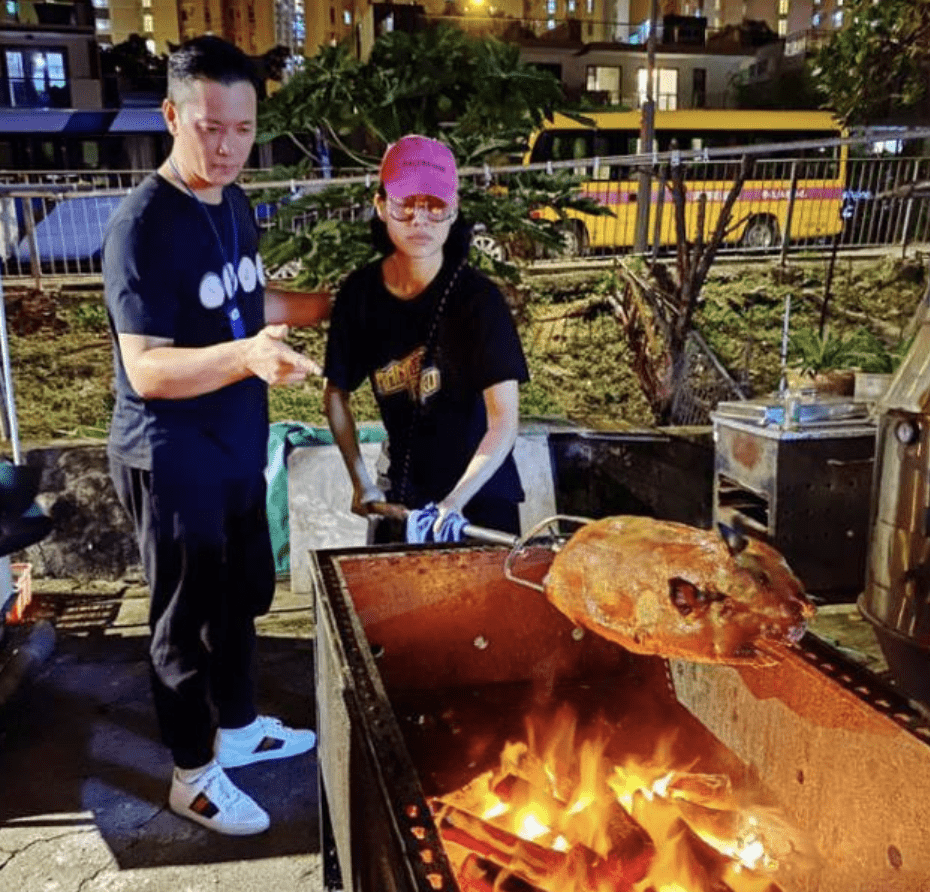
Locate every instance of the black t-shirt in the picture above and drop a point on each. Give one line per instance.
(376, 335)
(163, 266)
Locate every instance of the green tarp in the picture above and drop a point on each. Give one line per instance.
(285, 436)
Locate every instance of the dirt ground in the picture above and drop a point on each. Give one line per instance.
(579, 361)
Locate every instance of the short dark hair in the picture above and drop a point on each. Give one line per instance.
(209, 58)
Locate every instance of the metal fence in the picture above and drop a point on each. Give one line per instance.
(52, 224)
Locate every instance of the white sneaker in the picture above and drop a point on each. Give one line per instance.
(266, 738)
(216, 802)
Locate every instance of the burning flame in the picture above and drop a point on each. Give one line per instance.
(560, 816)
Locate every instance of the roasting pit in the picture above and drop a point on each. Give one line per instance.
(428, 661)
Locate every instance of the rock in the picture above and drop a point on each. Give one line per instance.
(91, 536)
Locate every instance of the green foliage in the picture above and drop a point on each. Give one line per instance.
(790, 89)
(474, 91)
(810, 352)
(312, 230)
(876, 67)
(321, 96)
(311, 233)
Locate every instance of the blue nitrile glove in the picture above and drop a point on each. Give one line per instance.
(420, 524)
(451, 528)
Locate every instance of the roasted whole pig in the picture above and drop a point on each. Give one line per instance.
(660, 587)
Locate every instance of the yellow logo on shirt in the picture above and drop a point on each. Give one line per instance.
(405, 375)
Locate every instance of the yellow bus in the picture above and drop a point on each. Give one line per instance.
(764, 212)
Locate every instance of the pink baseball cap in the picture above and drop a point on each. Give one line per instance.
(417, 165)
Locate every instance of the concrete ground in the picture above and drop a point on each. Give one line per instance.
(84, 778)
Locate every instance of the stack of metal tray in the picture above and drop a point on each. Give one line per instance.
(802, 411)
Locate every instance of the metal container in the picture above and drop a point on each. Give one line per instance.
(897, 593)
(798, 473)
(400, 630)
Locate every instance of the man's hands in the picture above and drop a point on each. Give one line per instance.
(269, 358)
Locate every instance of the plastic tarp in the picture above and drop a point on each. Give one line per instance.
(284, 437)
(73, 230)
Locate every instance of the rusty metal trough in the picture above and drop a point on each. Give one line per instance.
(428, 659)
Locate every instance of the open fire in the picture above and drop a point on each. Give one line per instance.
(564, 813)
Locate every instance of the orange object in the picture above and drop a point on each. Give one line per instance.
(22, 583)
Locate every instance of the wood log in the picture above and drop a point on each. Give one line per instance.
(632, 850)
(529, 860)
(480, 875)
(542, 867)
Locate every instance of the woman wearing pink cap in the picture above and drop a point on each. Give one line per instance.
(437, 342)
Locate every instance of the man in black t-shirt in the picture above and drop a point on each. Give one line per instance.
(197, 339)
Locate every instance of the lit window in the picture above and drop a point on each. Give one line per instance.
(347, 17)
(146, 4)
(664, 87)
(605, 79)
(102, 25)
(590, 6)
(148, 23)
(815, 19)
(36, 79)
(550, 24)
(570, 6)
(782, 27)
(838, 19)
(150, 45)
(783, 7)
(550, 7)
(14, 66)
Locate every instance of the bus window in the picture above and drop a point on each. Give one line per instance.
(611, 143)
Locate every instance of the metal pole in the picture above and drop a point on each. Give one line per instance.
(786, 238)
(8, 400)
(34, 262)
(646, 133)
(786, 326)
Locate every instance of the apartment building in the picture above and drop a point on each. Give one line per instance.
(784, 17)
(253, 25)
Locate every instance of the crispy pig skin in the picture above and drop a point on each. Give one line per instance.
(669, 589)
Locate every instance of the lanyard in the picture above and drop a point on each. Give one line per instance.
(230, 278)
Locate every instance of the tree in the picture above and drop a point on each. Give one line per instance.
(321, 96)
(877, 67)
(132, 62)
(473, 91)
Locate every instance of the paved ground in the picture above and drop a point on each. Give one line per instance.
(84, 779)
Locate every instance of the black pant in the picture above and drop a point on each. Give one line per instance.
(206, 549)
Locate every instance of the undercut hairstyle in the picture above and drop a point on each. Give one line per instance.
(209, 58)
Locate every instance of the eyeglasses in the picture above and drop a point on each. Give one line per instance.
(434, 209)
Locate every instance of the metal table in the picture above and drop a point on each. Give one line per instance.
(799, 473)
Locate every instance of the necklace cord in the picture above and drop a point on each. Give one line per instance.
(231, 306)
